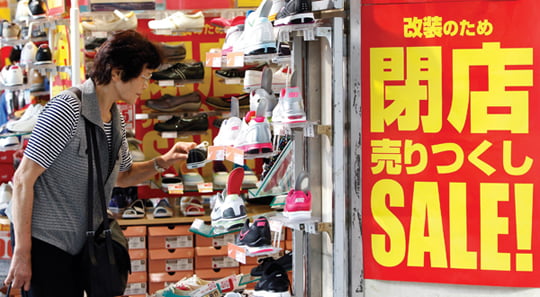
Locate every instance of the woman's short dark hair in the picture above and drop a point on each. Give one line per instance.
(128, 51)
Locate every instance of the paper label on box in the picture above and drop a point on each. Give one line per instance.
(137, 242)
(173, 242)
(138, 265)
(178, 264)
(224, 262)
(222, 240)
(135, 289)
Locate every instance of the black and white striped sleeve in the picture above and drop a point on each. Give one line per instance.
(55, 127)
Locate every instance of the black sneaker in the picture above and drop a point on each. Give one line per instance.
(255, 235)
(274, 282)
(295, 12)
(181, 71)
(37, 8)
(197, 156)
(224, 103)
(43, 55)
(284, 261)
(178, 124)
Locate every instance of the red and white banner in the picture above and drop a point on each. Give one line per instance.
(451, 141)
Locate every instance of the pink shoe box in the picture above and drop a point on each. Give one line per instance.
(207, 4)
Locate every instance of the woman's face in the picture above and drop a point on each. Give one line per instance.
(131, 90)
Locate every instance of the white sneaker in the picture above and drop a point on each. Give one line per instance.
(12, 76)
(179, 21)
(258, 38)
(255, 136)
(292, 106)
(28, 53)
(228, 132)
(120, 21)
(27, 121)
(232, 36)
(277, 5)
(192, 179)
(9, 141)
(22, 13)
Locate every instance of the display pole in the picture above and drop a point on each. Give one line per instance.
(75, 46)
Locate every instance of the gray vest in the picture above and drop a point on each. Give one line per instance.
(59, 216)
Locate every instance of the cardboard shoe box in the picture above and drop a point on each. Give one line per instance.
(170, 237)
(136, 284)
(136, 236)
(139, 260)
(211, 257)
(162, 260)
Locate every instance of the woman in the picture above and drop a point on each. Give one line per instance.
(48, 209)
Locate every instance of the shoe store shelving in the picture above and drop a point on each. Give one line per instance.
(163, 116)
(161, 14)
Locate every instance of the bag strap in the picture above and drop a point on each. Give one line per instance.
(23, 292)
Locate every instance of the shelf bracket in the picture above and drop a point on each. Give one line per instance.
(328, 228)
(325, 32)
(325, 130)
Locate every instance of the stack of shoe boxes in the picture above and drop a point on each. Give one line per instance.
(137, 280)
(211, 259)
(170, 255)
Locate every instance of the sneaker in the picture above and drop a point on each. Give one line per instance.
(94, 43)
(253, 79)
(37, 8)
(179, 21)
(170, 180)
(255, 136)
(192, 179)
(284, 261)
(179, 124)
(8, 142)
(295, 12)
(298, 201)
(257, 39)
(163, 209)
(10, 31)
(255, 235)
(224, 103)
(43, 55)
(181, 71)
(12, 75)
(191, 206)
(173, 53)
(232, 36)
(197, 156)
(228, 132)
(221, 22)
(36, 81)
(290, 108)
(22, 12)
(274, 282)
(120, 21)
(219, 179)
(229, 211)
(169, 103)
(184, 287)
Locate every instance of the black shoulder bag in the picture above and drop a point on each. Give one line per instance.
(105, 259)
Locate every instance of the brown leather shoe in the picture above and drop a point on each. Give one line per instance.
(169, 103)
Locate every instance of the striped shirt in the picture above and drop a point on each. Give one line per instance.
(57, 125)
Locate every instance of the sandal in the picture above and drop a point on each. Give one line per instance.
(163, 209)
(135, 211)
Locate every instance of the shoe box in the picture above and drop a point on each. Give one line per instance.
(169, 237)
(136, 284)
(169, 260)
(218, 241)
(139, 260)
(213, 258)
(136, 236)
(160, 280)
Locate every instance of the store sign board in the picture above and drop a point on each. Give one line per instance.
(451, 149)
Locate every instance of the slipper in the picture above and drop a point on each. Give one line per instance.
(135, 211)
(163, 209)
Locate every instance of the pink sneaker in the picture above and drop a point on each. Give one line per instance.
(298, 202)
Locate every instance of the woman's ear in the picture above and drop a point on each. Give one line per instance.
(116, 74)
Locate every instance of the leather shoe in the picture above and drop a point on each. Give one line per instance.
(169, 103)
(181, 71)
(178, 124)
(224, 103)
(173, 53)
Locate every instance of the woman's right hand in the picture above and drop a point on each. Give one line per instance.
(20, 270)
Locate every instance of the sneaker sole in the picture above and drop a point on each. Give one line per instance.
(301, 18)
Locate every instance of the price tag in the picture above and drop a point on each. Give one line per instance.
(197, 223)
(309, 131)
(99, 34)
(166, 83)
(235, 155)
(205, 187)
(235, 59)
(216, 153)
(213, 59)
(276, 225)
(141, 116)
(237, 253)
(169, 134)
(176, 189)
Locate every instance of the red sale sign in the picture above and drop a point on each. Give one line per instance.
(451, 149)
